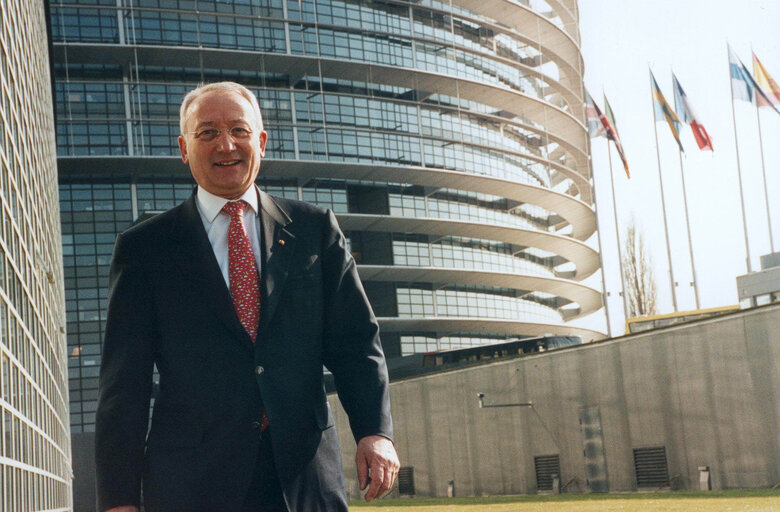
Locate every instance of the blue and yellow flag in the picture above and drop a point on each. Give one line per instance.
(664, 111)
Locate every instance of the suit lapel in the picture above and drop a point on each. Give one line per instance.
(278, 244)
(195, 257)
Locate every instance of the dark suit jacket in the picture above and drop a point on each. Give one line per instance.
(169, 306)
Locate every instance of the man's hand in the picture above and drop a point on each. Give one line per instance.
(127, 508)
(377, 455)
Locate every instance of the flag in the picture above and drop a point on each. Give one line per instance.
(744, 87)
(741, 84)
(683, 106)
(618, 144)
(605, 129)
(595, 127)
(610, 115)
(601, 126)
(767, 83)
(662, 108)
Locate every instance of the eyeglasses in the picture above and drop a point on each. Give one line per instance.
(237, 133)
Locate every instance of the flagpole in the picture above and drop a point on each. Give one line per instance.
(604, 296)
(739, 169)
(617, 234)
(663, 201)
(604, 300)
(763, 174)
(690, 242)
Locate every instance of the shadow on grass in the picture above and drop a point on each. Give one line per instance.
(545, 498)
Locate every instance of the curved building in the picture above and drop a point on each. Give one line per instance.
(35, 452)
(448, 137)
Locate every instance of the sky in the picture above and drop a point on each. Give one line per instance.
(620, 40)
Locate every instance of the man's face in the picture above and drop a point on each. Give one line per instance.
(225, 166)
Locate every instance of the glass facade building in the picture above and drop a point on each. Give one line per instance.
(35, 451)
(448, 137)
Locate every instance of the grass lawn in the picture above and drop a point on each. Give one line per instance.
(681, 501)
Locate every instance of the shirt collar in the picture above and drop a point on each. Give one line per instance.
(210, 205)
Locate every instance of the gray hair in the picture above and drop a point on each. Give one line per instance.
(222, 87)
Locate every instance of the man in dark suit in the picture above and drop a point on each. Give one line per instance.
(239, 299)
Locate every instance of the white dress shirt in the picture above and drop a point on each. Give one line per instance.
(216, 222)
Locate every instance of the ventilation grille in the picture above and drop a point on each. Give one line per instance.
(406, 481)
(651, 468)
(546, 466)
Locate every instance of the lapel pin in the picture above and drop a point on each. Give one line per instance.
(281, 241)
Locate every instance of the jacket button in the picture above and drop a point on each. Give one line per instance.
(259, 370)
(256, 425)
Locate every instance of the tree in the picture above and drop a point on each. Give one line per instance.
(640, 286)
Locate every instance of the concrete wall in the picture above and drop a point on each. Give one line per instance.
(709, 392)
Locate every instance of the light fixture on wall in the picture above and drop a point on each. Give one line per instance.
(483, 405)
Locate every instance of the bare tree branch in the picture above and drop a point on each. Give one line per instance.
(640, 282)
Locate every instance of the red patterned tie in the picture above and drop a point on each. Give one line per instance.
(244, 280)
(242, 269)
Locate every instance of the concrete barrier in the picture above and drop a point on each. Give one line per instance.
(699, 394)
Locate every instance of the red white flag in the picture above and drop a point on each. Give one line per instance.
(686, 115)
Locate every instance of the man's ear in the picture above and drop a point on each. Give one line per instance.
(263, 140)
(183, 149)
